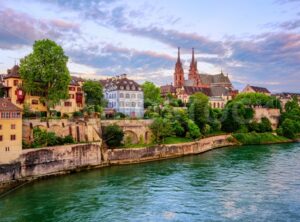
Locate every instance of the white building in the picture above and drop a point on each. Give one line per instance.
(124, 95)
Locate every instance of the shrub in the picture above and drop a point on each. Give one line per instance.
(77, 114)
(113, 135)
(65, 116)
(68, 139)
(289, 129)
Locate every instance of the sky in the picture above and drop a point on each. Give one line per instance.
(255, 42)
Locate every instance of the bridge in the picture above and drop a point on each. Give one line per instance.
(135, 131)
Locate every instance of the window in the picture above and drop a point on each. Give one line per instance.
(12, 137)
(0, 127)
(16, 82)
(71, 88)
(13, 126)
(133, 96)
(78, 89)
(34, 102)
(121, 95)
(6, 148)
(71, 96)
(15, 115)
(121, 104)
(133, 104)
(127, 95)
(1, 138)
(67, 103)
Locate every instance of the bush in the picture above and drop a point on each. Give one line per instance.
(77, 114)
(68, 139)
(65, 116)
(113, 135)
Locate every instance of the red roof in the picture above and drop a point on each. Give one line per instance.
(6, 105)
(260, 89)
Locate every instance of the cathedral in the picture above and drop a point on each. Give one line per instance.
(217, 87)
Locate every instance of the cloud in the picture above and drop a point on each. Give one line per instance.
(19, 29)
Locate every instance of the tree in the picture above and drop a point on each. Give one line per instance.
(193, 130)
(93, 93)
(289, 129)
(265, 125)
(151, 94)
(44, 72)
(161, 128)
(2, 91)
(293, 104)
(113, 135)
(199, 109)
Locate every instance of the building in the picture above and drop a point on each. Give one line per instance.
(10, 131)
(286, 96)
(256, 89)
(124, 95)
(217, 87)
(15, 93)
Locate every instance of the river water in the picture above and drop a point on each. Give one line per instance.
(249, 183)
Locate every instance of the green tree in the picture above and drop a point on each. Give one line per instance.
(199, 109)
(93, 93)
(161, 128)
(44, 72)
(113, 135)
(151, 94)
(289, 129)
(265, 125)
(193, 130)
(293, 104)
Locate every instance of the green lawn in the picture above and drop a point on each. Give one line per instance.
(259, 138)
(173, 140)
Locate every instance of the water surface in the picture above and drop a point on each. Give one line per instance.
(250, 183)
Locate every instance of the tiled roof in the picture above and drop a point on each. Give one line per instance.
(6, 105)
(167, 89)
(260, 89)
(120, 83)
(13, 72)
(211, 79)
(190, 90)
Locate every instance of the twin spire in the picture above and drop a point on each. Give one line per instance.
(193, 62)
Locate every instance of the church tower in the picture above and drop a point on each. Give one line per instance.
(193, 71)
(178, 74)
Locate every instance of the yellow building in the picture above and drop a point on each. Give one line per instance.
(13, 86)
(10, 131)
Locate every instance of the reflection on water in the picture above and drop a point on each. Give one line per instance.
(250, 183)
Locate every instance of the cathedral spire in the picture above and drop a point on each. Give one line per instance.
(193, 56)
(178, 56)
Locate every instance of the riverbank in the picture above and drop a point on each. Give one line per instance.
(254, 138)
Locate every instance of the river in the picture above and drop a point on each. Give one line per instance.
(248, 183)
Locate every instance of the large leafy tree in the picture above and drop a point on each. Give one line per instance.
(44, 72)
(161, 128)
(151, 94)
(93, 93)
(199, 109)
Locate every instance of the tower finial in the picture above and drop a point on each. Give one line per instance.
(178, 57)
(193, 56)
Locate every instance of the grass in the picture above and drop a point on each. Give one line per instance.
(174, 140)
(259, 138)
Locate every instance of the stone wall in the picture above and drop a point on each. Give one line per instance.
(82, 130)
(125, 156)
(35, 163)
(272, 114)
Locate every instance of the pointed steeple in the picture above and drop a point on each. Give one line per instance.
(193, 56)
(178, 56)
(178, 74)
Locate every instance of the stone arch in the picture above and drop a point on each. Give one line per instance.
(130, 137)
